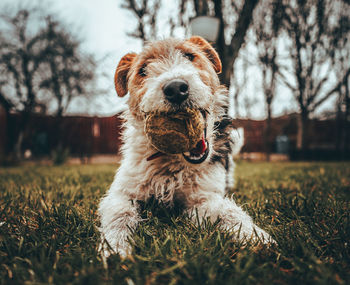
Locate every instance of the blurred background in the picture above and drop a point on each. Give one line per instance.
(286, 63)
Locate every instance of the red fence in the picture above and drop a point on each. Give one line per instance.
(82, 135)
(321, 134)
(94, 135)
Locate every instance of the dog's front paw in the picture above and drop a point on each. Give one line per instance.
(261, 236)
(250, 233)
(122, 248)
(115, 241)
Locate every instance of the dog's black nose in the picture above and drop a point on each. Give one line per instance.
(176, 91)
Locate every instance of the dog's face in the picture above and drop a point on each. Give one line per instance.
(172, 75)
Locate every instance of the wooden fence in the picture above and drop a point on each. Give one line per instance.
(85, 136)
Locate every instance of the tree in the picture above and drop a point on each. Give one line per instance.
(39, 65)
(341, 67)
(238, 84)
(309, 26)
(229, 40)
(69, 73)
(266, 39)
(19, 63)
(146, 13)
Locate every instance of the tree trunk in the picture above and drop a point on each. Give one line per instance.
(301, 134)
(267, 133)
(24, 122)
(346, 117)
(17, 149)
(340, 120)
(58, 142)
(227, 70)
(229, 53)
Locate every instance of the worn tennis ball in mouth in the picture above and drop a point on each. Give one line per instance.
(175, 132)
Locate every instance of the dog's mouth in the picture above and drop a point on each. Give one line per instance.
(198, 154)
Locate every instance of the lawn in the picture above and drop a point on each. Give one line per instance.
(48, 230)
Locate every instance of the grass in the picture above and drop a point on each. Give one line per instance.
(48, 230)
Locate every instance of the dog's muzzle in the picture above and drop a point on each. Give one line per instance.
(199, 153)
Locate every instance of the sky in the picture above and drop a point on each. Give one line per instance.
(103, 26)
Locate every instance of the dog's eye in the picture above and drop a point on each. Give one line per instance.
(189, 56)
(142, 70)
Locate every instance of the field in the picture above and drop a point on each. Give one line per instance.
(48, 230)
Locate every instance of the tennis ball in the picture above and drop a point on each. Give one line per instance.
(174, 132)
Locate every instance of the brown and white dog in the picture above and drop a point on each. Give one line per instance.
(171, 75)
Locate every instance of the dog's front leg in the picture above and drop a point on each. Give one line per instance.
(119, 216)
(232, 218)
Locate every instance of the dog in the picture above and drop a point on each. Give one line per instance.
(168, 76)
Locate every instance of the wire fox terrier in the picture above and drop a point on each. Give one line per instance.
(171, 75)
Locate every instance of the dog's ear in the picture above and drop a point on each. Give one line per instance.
(121, 74)
(209, 51)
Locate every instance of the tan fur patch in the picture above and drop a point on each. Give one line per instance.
(208, 50)
(121, 74)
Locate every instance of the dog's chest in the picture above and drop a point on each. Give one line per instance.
(167, 184)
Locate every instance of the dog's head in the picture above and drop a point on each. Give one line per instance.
(171, 75)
